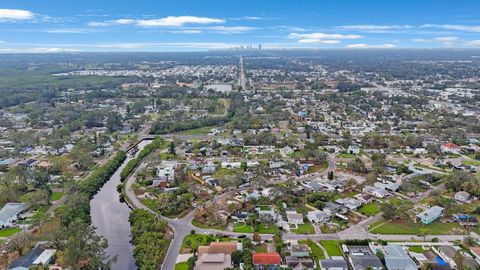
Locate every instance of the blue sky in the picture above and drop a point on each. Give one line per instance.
(188, 25)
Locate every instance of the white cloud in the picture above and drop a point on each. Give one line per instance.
(15, 15)
(70, 31)
(473, 43)
(457, 27)
(170, 21)
(447, 41)
(37, 50)
(230, 29)
(419, 40)
(368, 46)
(187, 31)
(371, 27)
(321, 38)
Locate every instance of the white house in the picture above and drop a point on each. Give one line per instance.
(167, 170)
(318, 216)
(294, 218)
(231, 164)
(9, 213)
(462, 196)
(354, 149)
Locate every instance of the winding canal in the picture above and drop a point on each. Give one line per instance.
(110, 218)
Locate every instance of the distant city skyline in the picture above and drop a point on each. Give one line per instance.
(187, 25)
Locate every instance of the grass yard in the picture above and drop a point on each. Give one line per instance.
(471, 162)
(332, 247)
(56, 196)
(9, 232)
(261, 249)
(346, 155)
(315, 249)
(305, 228)
(370, 209)
(416, 249)
(242, 228)
(435, 228)
(317, 168)
(196, 131)
(222, 172)
(271, 229)
(181, 266)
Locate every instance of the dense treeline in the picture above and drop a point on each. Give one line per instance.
(78, 204)
(149, 238)
(162, 127)
(132, 164)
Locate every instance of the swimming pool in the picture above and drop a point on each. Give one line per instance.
(440, 261)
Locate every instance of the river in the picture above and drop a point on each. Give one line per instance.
(110, 218)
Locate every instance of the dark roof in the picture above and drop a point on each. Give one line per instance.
(333, 264)
(363, 262)
(28, 259)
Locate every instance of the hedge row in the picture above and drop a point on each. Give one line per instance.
(132, 164)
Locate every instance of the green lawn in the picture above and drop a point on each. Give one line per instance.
(261, 249)
(242, 228)
(332, 247)
(416, 249)
(370, 209)
(56, 196)
(9, 232)
(196, 131)
(346, 155)
(315, 250)
(305, 228)
(435, 228)
(471, 162)
(271, 229)
(195, 241)
(181, 266)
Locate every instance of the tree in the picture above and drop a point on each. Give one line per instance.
(39, 219)
(171, 148)
(114, 122)
(191, 262)
(278, 242)
(330, 175)
(84, 249)
(257, 238)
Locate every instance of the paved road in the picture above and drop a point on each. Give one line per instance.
(183, 226)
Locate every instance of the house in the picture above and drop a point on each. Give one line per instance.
(300, 250)
(10, 212)
(462, 196)
(375, 191)
(447, 253)
(37, 256)
(431, 214)
(334, 208)
(208, 169)
(393, 187)
(266, 214)
(216, 256)
(450, 148)
(162, 183)
(318, 217)
(337, 263)
(354, 149)
(232, 165)
(362, 258)
(299, 263)
(350, 203)
(396, 258)
(285, 151)
(465, 219)
(266, 261)
(294, 218)
(167, 170)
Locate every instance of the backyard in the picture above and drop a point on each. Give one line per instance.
(435, 228)
(332, 247)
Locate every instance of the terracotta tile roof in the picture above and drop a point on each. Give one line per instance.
(218, 247)
(267, 259)
(450, 145)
